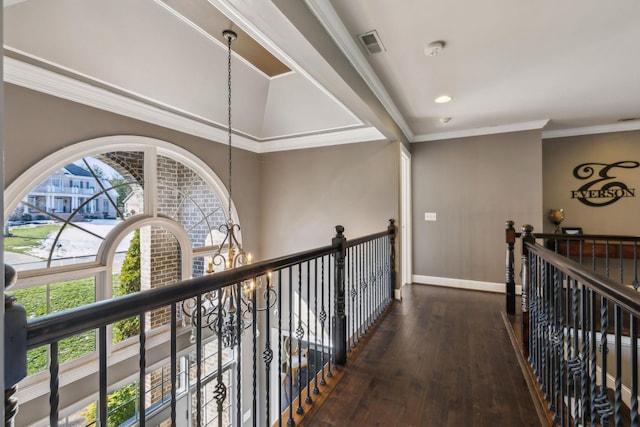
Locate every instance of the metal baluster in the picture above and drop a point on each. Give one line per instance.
(315, 329)
(378, 279)
(548, 335)
(254, 350)
(54, 382)
(544, 321)
(299, 336)
(221, 389)
(573, 356)
(280, 349)
(602, 401)
(268, 354)
(557, 345)
(633, 333)
(353, 293)
(621, 266)
(174, 352)
(387, 271)
(239, 328)
(323, 318)
(362, 286)
(635, 282)
(617, 404)
(372, 285)
(534, 293)
(584, 364)
(290, 421)
(103, 401)
(142, 368)
(369, 286)
(332, 309)
(593, 364)
(308, 383)
(198, 331)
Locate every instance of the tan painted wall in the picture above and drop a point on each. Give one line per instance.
(306, 193)
(562, 155)
(474, 186)
(296, 200)
(37, 125)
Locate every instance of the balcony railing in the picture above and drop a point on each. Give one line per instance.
(580, 310)
(253, 345)
(48, 189)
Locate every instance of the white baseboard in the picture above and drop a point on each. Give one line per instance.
(463, 284)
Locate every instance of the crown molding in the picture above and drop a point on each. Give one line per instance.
(329, 19)
(351, 136)
(514, 127)
(45, 81)
(39, 79)
(591, 130)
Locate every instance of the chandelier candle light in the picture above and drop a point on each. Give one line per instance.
(223, 310)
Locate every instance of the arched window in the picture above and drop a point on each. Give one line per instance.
(104, 218)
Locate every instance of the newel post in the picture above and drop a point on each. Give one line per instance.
(392, 257)
(510, 283)
(527, 237)
(15, 347)
(340, 317)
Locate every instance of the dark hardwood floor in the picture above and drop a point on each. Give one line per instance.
(441, 357)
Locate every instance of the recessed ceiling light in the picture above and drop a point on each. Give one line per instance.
(443, 99)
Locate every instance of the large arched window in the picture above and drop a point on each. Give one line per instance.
(107, 217)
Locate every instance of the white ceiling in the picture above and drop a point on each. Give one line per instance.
(569, 67)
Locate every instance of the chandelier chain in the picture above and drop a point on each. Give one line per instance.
(229, 40)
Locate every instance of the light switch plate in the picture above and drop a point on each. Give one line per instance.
(429, 216)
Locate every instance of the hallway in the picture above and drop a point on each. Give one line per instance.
(441, 357)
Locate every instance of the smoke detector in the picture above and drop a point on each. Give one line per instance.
(434, 48)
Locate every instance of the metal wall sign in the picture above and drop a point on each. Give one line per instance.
(602, 187)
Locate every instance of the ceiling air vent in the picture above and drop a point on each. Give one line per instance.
(371, 42)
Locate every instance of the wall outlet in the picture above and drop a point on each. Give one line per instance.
(429, 216)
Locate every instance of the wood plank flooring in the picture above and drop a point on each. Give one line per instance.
(441, 357)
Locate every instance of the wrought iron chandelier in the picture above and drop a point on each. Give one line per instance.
(228, 312)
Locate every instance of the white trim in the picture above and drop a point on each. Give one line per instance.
(38, 172)
(591, 130)
(42, 80)
(21, 187)
(406, 249)
(110, 244)
(463, 284)
(45, 81)
(327, 16)
(216, 40)
(514, 127)
(322, 140)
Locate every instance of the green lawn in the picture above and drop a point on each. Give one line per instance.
(24, 237)
(62, 296)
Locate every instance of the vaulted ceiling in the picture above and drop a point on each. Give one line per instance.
(302, 77)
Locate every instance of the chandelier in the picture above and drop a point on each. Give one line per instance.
(229, 311)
